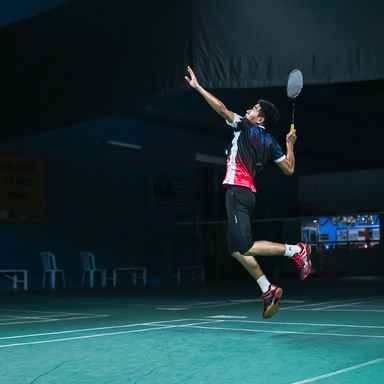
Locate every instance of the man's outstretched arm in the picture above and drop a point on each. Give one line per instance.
(217, 105)
(288, 164)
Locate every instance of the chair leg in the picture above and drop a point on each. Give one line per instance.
(114, 279)
(91, 278)
(103, 278)
(14, 281)
(53, 279)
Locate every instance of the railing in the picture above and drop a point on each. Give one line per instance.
(204, 243)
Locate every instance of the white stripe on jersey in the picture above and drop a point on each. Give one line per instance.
(231, 162)
(280, 159)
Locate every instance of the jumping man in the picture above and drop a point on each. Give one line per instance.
(251, 149)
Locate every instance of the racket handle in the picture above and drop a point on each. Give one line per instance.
(292, 126)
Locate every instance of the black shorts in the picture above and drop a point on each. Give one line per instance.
(239, 203)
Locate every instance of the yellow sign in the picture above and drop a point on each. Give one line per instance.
(22, 197)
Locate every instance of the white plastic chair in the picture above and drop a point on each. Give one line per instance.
(50, 268)
(89, 268)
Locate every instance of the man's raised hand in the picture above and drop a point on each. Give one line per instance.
(191, 78)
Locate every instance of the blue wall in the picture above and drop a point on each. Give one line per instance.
(99, 197)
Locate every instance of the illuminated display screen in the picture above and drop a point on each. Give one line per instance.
(356, 231)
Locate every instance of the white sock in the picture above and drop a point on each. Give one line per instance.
(263, 283)
(291, 250)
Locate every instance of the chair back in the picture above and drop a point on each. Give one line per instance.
(88, 260)
(49, 260)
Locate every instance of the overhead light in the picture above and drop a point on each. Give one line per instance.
(125, 145)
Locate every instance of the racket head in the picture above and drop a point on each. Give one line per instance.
(295, 83)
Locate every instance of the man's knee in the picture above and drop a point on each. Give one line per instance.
(239, 255)
(243, 248)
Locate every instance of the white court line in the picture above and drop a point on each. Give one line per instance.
(306, 305)
(95, 329)
(340, 310)
(316, 378)
(332, 302)
(104, 334)
(188, 325)
(237, 301)
(52, 319)
(186, 307)
(339, 305)
(53, 312)
(289, 332)
(289, 301)
(234, 319)
(6, 318)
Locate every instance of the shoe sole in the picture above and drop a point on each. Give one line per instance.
(303, 277)
(274, 307)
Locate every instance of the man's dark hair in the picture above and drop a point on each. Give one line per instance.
(270, 112)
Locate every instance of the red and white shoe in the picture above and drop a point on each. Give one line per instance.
(271, 300)
(302, 260)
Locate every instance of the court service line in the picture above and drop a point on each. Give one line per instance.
(301, 324)
(96, 329)
(52, 320)
(191, 306)
(53, 312)
(288, 332)
(237, 301)
(339, 305)
(329, 302)
(205, 306)
(341, 310)
(338, 372)
(6, 318)
(102, 335)
(306, 305)
(289, 301)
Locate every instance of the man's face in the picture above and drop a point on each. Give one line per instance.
(255, 114)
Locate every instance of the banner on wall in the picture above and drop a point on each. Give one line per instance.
(22, 197)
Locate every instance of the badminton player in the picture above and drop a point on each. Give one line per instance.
(251, 149)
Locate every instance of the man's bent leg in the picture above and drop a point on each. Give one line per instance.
(266, 248)
(249, 263)
(300, 254)
(239, 205)
(271, 293)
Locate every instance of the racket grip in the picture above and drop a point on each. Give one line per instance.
(292, 126)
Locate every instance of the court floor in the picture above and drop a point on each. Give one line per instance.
(193, 336)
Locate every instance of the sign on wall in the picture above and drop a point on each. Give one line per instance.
(22, 197)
